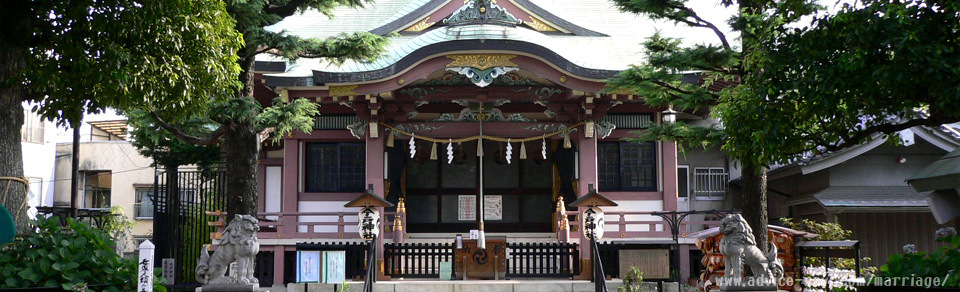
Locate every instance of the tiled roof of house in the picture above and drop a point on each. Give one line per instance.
(863, 196)
(947, 132)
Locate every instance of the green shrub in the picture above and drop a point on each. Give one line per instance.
(942, 264)
(72, 257)
(829, 232)
(632, 281)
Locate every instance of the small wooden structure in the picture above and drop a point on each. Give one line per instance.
(708, 241)
(487, 264)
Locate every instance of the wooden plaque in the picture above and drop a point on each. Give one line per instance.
(655, 263)
(485, 264)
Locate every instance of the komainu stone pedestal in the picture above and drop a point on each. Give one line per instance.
(229, 288)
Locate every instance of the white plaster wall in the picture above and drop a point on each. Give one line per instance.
(350, 216)
(38, 159)
(611, 217)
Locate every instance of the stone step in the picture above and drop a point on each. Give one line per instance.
(470, 286)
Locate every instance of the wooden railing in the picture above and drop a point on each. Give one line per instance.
(292, 225)
(330, 225)
(617, 225)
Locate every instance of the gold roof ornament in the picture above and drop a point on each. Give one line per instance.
(346, 90)
(482, 62)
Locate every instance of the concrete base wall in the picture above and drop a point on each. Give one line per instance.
(471, 286)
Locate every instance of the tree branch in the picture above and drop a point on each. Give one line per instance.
(700, 22)
(680, 90)
(214, 137)
(284, 10)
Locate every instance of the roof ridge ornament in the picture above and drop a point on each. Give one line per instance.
(481, 12)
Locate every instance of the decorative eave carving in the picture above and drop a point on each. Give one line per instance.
(343, 90)
(481, 12)
(482, 62)
(539, 25)
(483, 77)
(422, 25)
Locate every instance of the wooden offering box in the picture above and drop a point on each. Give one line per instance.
(484, 264)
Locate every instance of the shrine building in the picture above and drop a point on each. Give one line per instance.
(493, 97)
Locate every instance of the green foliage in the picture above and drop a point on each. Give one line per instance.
(165, 148)
(834, 82)
(941, 264)
(252, 18)
(287, 117)
(118, 227)
(828, 232)
(853, 76)
(344, 287)
(662, 80)
(632, 281)
(169, 55)
(825, 231)
(72, 257)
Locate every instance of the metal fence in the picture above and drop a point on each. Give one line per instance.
(180, 226)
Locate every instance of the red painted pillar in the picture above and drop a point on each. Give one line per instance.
(374, 176)
(684, 263)
(278, 271)
(668, 150)
(588, 175)
(290, 186)
(288, 195)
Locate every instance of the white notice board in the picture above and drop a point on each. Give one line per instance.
(492, 207)
(467, 210)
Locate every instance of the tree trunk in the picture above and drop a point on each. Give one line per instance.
(754, 179)
(14, 45)
(240, 147)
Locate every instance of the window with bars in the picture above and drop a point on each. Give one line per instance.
(625, 166)
(710, 182)
(334, 167)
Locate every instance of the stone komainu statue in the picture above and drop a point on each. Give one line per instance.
(739, 247)
(238, 244)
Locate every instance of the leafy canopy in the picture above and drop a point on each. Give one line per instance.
(281, 117)
(169, 55)
(868, 70)
(705, 76)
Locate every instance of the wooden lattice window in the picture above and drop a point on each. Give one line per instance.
(625, 166)
(334, 167)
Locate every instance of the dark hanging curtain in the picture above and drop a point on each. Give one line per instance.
(565, 160)
(396, 161)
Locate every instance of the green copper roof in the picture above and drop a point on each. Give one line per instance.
(942, 174)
